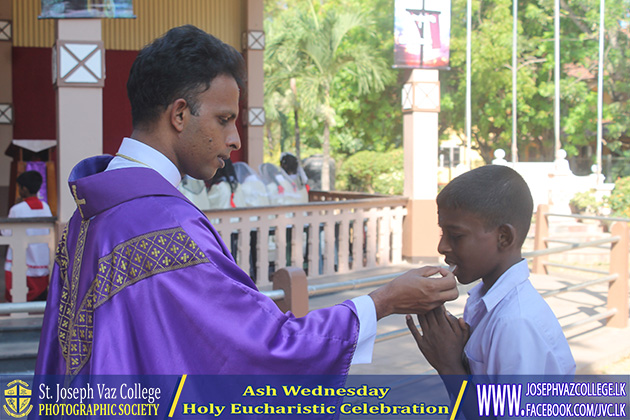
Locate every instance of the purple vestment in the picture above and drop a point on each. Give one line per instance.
(143, 284)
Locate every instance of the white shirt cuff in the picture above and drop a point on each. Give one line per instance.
(367, 329)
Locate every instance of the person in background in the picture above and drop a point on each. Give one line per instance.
(289, 163)
(224, 190)
(37, 255)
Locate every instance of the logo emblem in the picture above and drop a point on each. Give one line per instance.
(18, 399)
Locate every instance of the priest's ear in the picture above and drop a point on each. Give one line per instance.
(178, 111)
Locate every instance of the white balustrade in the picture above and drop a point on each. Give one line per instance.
(349, 232)
(323, 237)
(19, 241)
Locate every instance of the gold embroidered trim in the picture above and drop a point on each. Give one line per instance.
(130, 262)
(61, 253)
(78, 201)
(67, 306)
(61, 258)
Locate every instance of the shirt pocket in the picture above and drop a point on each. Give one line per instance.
(476, 363)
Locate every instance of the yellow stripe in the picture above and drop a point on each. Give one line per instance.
(179, 391)
(459, 399)
(225, 19)
(132, 159)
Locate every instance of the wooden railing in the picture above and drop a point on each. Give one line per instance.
(19, 241)
(618, 242)
(616, 310)
(349, 232)
(323, 238)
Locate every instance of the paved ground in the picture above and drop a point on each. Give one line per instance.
(596, 348)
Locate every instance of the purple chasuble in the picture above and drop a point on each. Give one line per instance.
(143, 284)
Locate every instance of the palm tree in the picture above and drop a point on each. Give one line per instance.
(328, 57)
(283, 63)
(316, 45)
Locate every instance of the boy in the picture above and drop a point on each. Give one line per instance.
(509, 329)
(37, 255)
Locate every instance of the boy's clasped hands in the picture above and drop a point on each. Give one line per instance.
(442, 340)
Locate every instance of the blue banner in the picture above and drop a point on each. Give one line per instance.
(313, 397)
(87, 9)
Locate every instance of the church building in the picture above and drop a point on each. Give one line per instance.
(63, 76)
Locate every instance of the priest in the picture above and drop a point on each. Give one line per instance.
(142, 282)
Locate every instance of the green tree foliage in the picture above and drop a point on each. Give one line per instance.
(326, 62)
(492, 76)
(284, 64)
(357, 118)
(373, 172)
(372, 121)
(619, 200)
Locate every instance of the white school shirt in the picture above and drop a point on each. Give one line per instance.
(514, 331)
(144, 155)
(37, 255)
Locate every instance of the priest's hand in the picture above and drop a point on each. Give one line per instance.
(415, 292)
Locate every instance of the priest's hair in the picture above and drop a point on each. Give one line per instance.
(180, 64)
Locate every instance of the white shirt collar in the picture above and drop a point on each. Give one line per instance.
(512, 277)
(133, 153)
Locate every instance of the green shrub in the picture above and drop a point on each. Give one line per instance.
(373, 172)
(585, 202)
(619, 200)
(390, 183)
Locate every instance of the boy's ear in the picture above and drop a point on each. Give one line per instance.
(177, 113)
(506, 236)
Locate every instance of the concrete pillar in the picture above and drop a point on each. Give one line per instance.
(254, 45)
(78, 76)
(618, 289)
(6, 100)
(421, 105)
(540, 240)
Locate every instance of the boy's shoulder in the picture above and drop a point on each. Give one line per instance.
(524, 308)
(525, 300)
(46, 206)
(20, 207)
(23, 209)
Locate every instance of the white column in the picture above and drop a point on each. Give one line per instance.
(556, 72)
(6, 100)
(600, 91)
(78, 75)
(421, 105)
(514, 81)
(254, 44)
(468, 84)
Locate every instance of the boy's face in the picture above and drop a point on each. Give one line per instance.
(466, 243)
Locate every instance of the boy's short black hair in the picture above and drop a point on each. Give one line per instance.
(496, 194)
(32, 180)
(181, 64)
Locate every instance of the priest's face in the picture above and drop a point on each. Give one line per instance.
(209, 135)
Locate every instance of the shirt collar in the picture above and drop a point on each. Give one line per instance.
(133, 153)
(34, 203)
(514, 276)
